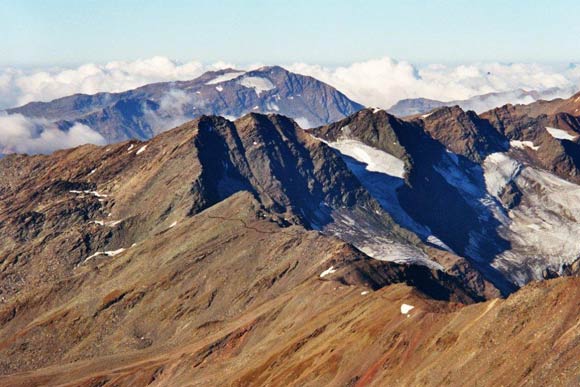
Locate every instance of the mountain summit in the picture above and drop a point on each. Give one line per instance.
(148, 110)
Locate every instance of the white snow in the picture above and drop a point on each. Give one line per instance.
(219, 88)
(330, 270)
(382, 175)
(523, 144)
(303, 123)
(130, 147)
(93, 171)
(376, 110)
(364, 293)
(259, 84)
(560, 134)
(406, 308)
(272, 106)
(255, 107)
(499, 170)
(94, 193)
(173, 224)
(426, 115)
(438, 242)
(110, 253)
(114, 252)
(376, 160)
(225, 77)
(141, 150)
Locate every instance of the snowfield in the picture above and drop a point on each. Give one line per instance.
(226, 77)
(500, 170)
(523, 144)
(560, 134)
(376, 160)
(259, 84)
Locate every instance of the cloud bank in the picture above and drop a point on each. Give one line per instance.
(19, 134)
(383, 82)
(18, 87)
(378, 83)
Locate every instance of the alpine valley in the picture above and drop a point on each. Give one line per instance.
(282, 234)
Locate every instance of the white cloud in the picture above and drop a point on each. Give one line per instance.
(20, 134)
(383, 82)
(172, 111)
(378, 82)
(18, 86)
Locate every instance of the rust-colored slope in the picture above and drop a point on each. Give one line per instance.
(325, 333)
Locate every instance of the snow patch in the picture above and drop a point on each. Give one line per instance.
(438, 242)
(560, 134)
(225, 77)
(173, 224)
(304, 123)
(110, 253)
(94, 193)
(376, 160)
(330, 270)
(259, 84)
(406, 308)
(523, 144)
(272, 106)
(219, 88)
(130, 147)
(141, 150)
(364, 293)
(499, 170)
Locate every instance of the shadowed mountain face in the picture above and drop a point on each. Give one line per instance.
(151, 109)
(497, 189)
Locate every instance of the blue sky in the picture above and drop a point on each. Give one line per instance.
(66, 32)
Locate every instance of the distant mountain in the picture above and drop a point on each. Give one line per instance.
(143, 112)
(479, 103)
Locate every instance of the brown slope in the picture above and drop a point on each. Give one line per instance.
(464, 133)
(345, 338)
(559, 156)
(110, 251)
(559, 105)
(185, 283)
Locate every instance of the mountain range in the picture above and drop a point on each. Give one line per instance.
(478, 103)
(433, 249)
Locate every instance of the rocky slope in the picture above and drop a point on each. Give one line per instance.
(110, 254)
(494, 196)
(148, 110)
(251, 253)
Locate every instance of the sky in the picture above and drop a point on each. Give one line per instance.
(375, 52)
(72, 32)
